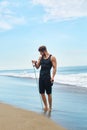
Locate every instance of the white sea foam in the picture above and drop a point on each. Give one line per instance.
(21, 75)
(69, 79)
(72, 79)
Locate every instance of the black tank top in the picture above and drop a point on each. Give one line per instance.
(46, 66)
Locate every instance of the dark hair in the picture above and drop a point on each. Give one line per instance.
(42, 48)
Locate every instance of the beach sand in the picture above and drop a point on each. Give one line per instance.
(12, 118)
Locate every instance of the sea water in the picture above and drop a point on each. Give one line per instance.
(76, 75)
(20, 88)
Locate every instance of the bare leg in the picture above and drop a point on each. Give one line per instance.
(44, 101)
(50, 101)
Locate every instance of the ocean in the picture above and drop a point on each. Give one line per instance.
(20, 89)
(75, 76)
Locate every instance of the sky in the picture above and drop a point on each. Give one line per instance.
(61, 25)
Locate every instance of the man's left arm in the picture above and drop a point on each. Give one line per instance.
(54, 65)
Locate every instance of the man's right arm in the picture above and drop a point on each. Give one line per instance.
(37, 63)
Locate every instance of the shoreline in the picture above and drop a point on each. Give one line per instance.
(15, 118)
(69, 103)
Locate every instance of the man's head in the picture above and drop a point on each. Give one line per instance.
(42, 50)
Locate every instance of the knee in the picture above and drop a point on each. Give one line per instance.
(49, 95)
(43, 95)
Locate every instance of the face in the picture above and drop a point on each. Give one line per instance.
(42, 53)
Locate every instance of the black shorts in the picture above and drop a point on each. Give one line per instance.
(45, 85)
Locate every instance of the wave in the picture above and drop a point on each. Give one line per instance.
(19, 75)
(79, 80)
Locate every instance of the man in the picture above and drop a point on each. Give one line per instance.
(46, 61)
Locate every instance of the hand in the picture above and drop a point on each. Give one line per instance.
(34, 62)
(52, 79)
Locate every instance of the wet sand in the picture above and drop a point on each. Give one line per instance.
(12, 118)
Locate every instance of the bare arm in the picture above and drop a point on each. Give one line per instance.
(37, 63)
(54, 65)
